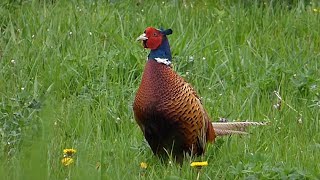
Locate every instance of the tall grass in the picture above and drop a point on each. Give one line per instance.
(69, 71)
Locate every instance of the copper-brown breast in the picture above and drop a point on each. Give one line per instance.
(169, 112)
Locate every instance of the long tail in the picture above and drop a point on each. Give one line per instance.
(229, 128)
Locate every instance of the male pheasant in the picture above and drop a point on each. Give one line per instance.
(167, 108)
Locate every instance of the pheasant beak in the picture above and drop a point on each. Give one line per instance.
(142, 37)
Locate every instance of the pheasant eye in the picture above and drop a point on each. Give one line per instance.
(155, 34)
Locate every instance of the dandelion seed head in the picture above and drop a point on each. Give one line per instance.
(277, 106)
(79, 9)
(191, 58)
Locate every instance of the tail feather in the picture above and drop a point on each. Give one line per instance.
(223, 132)
(229, 128)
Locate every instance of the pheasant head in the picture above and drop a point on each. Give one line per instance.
(156, 40)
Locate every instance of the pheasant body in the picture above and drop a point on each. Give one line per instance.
(169, 112)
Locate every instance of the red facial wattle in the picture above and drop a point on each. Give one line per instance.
(153, 42)
(151, 38)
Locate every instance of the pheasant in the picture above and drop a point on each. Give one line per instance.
(167, 108)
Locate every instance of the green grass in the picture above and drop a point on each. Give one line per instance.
(69, 72)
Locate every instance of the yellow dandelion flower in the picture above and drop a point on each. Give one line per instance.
(315, 10)
(199, 164)
(69, 152)
(143, 165)
(66, 161)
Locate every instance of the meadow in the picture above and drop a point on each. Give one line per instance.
(69, 71)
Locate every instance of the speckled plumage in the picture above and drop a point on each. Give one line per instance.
(169, 112)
